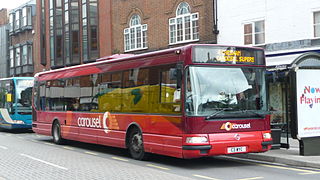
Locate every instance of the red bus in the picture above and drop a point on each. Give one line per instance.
(186, 102)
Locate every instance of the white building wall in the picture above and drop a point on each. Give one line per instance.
(285, 20)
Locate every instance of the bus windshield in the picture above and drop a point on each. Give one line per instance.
(24, 94)
(219, 92)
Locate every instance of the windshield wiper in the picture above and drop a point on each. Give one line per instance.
(218, 112)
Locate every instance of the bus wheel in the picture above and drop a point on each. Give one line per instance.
(56, 133)
(136, 148)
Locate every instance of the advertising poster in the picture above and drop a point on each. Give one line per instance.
(308, 102)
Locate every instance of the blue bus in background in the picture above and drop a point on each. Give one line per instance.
(15, 103)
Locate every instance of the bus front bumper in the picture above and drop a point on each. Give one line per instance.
(225, 146)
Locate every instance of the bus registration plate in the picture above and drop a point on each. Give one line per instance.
(237, 149)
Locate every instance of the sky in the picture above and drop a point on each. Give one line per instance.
(11, 4)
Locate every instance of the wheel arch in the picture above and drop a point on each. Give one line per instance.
(129, 128)
(53, 122)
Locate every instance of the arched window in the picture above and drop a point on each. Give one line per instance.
(185, 26)
(183, 8)
(135, 37)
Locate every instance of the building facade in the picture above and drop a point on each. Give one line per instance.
(140, 26)
(289, 31)
(21, 33)
(3, 43)
(71, 32)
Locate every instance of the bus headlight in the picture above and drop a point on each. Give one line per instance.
(18, 122)
(196, 140)
(266, 136)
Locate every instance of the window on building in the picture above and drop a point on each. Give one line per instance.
(254, 33)
(56, 33)
(51, 32)
(26, 57)
(11, 56)
(17, 57)
(66, 32)
(26, 16)
(17, 20)
(74, 33)
(43, 15)
(185, 26)
(135, 37)
(316, 17)
(89, 30)
(11, 22)
(30, 54)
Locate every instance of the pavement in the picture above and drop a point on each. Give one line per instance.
(289, 156)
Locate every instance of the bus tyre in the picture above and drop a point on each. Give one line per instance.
(56, 133)
(136, 148)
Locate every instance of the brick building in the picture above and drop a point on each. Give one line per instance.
(139, 26)
(21, 25)
(71, 32)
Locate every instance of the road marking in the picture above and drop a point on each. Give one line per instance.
(159, 167)
(253, 178)
(33, 140)
(287, 168)
(91, 153)
(69, 148)
(45, 162)
(309, 173)
(120, 159)
(49, 144)
(20, 137)
(278, 166)
(204, 177)
(3, 147)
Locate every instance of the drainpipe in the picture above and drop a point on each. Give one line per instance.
(215, 17)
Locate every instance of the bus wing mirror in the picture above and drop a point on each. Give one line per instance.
(9, 97)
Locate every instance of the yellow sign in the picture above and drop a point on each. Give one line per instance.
(9, 97)
(233, 56)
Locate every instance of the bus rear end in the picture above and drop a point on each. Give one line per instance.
(225, 102)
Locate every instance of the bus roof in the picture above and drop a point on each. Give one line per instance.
(13, 78)
(128, 57)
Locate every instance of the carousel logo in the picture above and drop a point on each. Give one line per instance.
(89, 122)
(229, 126)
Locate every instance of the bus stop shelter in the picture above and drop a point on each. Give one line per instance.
(282, 87)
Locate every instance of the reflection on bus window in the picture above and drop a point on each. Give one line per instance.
(237, 89)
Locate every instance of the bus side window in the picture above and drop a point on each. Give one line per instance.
(169, 92)
(72, 93)
(2, 94)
